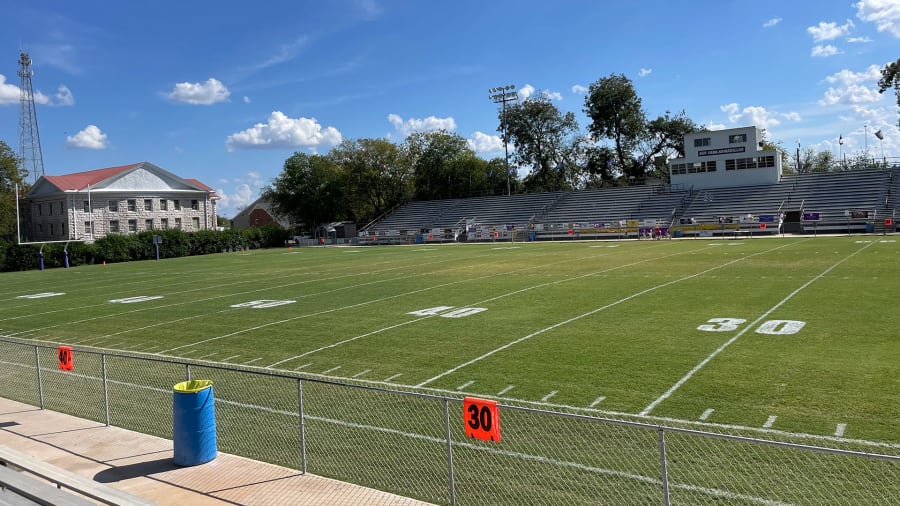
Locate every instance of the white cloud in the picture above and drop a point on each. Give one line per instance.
(526, 91)
(552, 95)
(229, 204)
(206, 93)
(429, 124)
(481, 142)
(829, 31)
(644, 72)
(282, 132)
(9, 93)
(858, 40)
(89, 138)
(716, 126)
(579, 89)
(824, 51)
(884, 13)
(286, 52)
(791, 116)
(871, 73)
(772, 22)
(853, 87)
(63, 97)
(246, 99)
(750, 115)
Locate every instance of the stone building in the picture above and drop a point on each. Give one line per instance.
(116, 200)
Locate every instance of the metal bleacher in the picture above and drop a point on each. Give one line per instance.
(832, 195)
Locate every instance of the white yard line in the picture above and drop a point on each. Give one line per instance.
(303, 366)
(598, 400)
(770, 421)
(361, 373)
(465, 385)
(706, 414)
(548, 396)
(839, 430)
(590, 313)
(507, 389)
(387, 380)
(331, 370)
(747, 328)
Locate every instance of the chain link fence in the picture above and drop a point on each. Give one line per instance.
(414, 445)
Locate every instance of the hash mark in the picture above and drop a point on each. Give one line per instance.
(706, 414)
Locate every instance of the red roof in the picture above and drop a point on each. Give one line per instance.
(198, 183)
(81, 180)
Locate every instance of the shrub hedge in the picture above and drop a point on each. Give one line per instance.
(139, 246)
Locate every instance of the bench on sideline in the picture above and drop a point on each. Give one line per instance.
(42, 493)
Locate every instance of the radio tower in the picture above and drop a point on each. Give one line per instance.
(31, 161)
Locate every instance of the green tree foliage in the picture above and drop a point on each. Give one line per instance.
(890, 78)
(309, 190)
(9, 178)
(378, 176)
(133, 247)
(614, 109)
(543, 138)
(444, 166)
(639, 147)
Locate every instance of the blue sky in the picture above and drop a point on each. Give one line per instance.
(224, 91)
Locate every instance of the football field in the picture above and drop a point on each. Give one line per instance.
(798, 335)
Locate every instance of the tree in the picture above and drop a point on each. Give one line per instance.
(615, 113)
(378, 177)
(9, 178)
(442, 165)
(541, 135)
(890, 77)
(663, 139)
(309, 190)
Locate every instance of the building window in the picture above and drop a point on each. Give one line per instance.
(39, 209)
(729, 164)
(88, 228)
(766, 161)
(148, 205)
(177, 205)
(163, 205)
(114, 226)
(148, 224)
(196, 222)
(41, 228)
(164, 223)
(65, 229)
(51, 229)
(699, 143)
(113, 206)
(195, 205)
(61, 207)
(87, 206)
(49, 208)
(709, 166)
(132, 225)
(178, 223)
(132, 205)
(737, 138)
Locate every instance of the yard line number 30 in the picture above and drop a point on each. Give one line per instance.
(772, 327)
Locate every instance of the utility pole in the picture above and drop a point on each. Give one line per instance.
(502, 95)
(31, 161)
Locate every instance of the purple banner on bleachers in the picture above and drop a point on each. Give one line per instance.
(810, 216)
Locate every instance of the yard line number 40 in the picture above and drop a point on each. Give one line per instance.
(772, 327)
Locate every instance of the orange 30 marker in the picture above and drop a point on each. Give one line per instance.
(482, 419)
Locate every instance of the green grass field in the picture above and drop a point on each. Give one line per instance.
(797, 335)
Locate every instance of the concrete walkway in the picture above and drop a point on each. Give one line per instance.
(142, 465)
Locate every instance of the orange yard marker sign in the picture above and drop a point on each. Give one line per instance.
(482, 419)
(66, 360)
(889, 222)
(762, 226)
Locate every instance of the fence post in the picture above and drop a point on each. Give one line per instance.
(187, 372)
(105, 387)
(449, 452)
(662, 465)
(302, 426)
(40, 385)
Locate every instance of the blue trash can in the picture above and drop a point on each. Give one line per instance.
(676, 233)
(194, 422)
(870, 227)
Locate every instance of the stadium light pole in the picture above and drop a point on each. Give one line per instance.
(502, 95)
